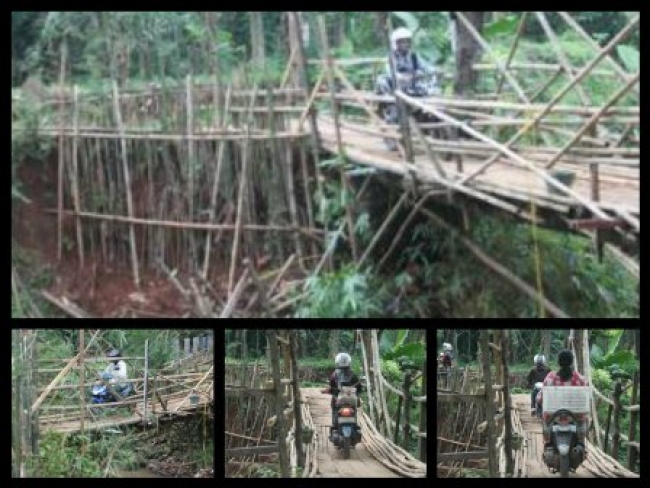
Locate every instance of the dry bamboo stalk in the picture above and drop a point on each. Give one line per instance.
(75, 178)
(64, 51)
(234, 297)
(293, 211)
(449, 103)
(238, 222)
(561, 56)
(127, 183)
(287, 69)
(433, 157)
(191, 225)
(310, 102)
(215, 189)
(389, 218)
(513, 48)
(190, 166)
(594, 118)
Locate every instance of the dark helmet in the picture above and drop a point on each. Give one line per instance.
(114, 353)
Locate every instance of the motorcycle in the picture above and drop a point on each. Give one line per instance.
(564, 404)
(101, 394)
(346, 432)
(419, 86)
(538, 408)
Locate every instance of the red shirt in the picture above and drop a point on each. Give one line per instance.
(553, 379)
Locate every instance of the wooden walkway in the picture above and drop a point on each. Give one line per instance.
(619, 186)
(331, 463)
(175, 405)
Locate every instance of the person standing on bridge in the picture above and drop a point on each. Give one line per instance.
(342, 376)
(565, 376)
(408, 65)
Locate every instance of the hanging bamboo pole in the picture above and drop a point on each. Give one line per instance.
(127, 183)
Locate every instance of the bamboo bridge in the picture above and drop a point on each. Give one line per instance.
(472, 412)
(301, 418)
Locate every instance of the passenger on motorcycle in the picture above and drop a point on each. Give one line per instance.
(537, 375)
(565, 376)
(116, 373)
(407, 65)
(344, 376)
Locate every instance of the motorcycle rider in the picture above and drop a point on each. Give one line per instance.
(344, 376)
(447, 355)
(565, 376)
(116, 373)
(407, 64)
(537, 375)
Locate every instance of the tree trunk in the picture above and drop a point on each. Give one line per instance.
(258, 47)
(335, 335)
(578, 341)
(546, 341)
(468, 52)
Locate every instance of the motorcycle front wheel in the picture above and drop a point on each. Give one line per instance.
(346, 448)
(564, 466)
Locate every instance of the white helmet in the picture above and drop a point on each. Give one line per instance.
(398, 35)
(540, 359)
(447, 347)
(343, 360)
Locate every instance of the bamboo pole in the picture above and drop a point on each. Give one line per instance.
(505, 150)
(189, 115)
(75, 172)
(491, 430)
(389, 218)
(61, 168)
(337, 130)
(593, 119)
(146, 379)
(513, 48)
(82, 371)
(127, 183)
(622, 35)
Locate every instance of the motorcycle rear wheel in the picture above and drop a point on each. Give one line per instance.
(564, 466)
(346, 447)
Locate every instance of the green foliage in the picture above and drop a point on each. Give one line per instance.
(504, 26)
(630, 56)
(345, 293)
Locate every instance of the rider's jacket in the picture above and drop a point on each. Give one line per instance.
(346, 377)
(537, 374)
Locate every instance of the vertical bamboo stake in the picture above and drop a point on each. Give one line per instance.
(308, 203)
(489, 405)
(422, 428)
(34, 391)
(342, 157)
(75, 174)
(82, 376)
(127, 182)
(292, 201)
(215, 187)
(146, 379)
(190, 162)
(240, 202)
(61, 122)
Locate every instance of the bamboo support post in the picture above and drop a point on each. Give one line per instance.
(190, 166)
(75, 174)
(389, 218)
(61, 167)
(127, 183)
(82, 370)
